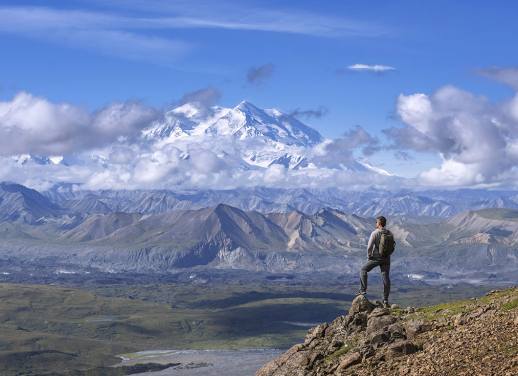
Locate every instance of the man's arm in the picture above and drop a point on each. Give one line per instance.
(371, 244)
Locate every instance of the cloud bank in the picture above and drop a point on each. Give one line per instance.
(30, 124)
(508, 76)
(42, 143)
(477, 140)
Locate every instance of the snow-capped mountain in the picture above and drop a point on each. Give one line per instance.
(245, 121)
(262, 137)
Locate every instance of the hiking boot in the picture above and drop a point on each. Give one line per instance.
(361, 293)
(386, 304)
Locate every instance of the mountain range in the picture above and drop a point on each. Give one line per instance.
(366, 203)
(36, 229)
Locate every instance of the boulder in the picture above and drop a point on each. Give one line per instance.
(349, 360)
(358, 322)
(401, 348)
(316, 332)
(386, 335)
(378, 311)
(396, 331)
(459, 319)
(415, 327)
(313, 358)
(361, 304)
(378, 339)
(478, 312)
(287, 364)
(379, 322)
(367, 351)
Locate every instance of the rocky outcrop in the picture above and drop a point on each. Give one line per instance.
(474, 337)
(367, 331)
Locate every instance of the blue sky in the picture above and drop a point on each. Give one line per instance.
(91, 53)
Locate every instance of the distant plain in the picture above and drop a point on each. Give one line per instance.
(63, 329)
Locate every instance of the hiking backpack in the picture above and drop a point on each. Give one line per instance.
(387, 243)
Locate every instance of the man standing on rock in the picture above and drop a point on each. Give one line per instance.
(380, 247)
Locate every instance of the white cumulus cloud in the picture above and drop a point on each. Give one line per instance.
(376, 68)
(30, 124)
(476, 139)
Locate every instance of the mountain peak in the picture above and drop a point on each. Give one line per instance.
(18, 202)
(245, 104)
(222, 207)
(250, 108)
(189, 110)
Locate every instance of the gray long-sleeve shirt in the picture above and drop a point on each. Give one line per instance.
(373, 245)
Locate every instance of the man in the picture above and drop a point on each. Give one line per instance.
(380, 247)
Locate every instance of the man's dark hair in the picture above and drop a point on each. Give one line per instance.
(382, 220)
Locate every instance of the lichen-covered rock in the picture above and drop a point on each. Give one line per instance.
(379, 311)
(357, 322)
(378, 322)
(396, 331)
(361, 304)
(378, 338)
(415, 327)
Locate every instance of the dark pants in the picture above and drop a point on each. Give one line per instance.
(384, 265)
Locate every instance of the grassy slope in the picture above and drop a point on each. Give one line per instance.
(509, 297)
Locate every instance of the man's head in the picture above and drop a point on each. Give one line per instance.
(381, 222)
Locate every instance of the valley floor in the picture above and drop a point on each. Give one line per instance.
(61, 328)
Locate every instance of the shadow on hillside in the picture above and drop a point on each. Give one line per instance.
(254, 296)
